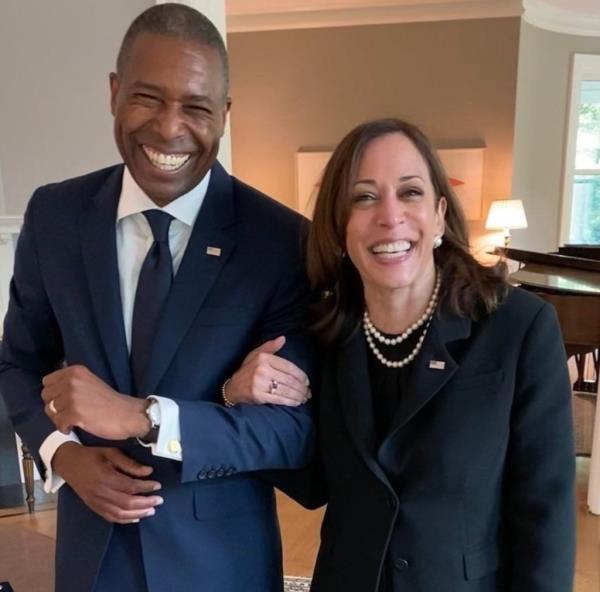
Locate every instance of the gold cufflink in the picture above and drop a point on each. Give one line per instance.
(174, 446)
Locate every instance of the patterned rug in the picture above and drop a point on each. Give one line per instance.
(294, 584)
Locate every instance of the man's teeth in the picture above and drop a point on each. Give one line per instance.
(400, 246)
(165, 162)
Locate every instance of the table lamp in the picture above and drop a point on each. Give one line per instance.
(506, 215)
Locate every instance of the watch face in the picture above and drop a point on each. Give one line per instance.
(153, 413)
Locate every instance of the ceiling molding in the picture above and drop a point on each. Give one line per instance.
(376, 14)
(563, 17)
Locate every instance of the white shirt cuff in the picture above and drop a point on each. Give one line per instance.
(54, 481)
(168, 442)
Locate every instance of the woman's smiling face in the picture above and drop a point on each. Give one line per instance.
(394, 218)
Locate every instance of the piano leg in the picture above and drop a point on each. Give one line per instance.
(585, 384)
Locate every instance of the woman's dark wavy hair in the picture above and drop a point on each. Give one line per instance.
(468, 288)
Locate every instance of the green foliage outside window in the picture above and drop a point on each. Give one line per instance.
(587, 204)
(585, 219)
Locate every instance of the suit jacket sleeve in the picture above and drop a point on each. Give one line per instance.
(31, 343)
(541, 462)
(307, 485)
(257, 437)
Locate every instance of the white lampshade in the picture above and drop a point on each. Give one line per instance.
(506, 214)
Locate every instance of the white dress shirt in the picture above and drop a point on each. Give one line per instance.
(134, 238)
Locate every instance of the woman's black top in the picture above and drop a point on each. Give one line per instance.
(387, 386)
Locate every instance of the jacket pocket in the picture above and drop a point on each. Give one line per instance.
(218, 501)
(481, 562)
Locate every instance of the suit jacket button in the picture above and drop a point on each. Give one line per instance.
(202, 475)
(210, 474)
(400, 563)
(229, 471)
(220, 472)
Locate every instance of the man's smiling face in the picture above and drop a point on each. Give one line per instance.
(170, 110)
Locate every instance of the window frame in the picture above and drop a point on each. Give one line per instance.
(584, 67)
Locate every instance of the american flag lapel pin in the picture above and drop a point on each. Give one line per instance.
(214, 251)
(437, 364)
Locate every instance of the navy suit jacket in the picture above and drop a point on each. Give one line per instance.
(217, 528)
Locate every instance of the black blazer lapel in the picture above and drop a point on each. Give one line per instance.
(99, 248)
(199, 269)
(353, 387)
(434, 366)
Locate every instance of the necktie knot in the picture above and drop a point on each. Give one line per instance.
(159, 224)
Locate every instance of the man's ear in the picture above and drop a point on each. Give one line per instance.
(225, 114)
(113, 80)
(226, 110)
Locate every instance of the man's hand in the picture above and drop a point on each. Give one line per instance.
(75, 397)
(266, 378)
(109, 482)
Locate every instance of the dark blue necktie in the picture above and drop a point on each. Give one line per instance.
(154, 284)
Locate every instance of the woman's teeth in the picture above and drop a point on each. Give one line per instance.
(165, 162)
(387, 249)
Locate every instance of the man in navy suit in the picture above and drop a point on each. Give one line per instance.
(137, 290)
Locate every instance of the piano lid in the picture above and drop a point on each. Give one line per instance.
(581, 251)
(555, 272)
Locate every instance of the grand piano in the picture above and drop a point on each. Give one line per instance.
(570, 280)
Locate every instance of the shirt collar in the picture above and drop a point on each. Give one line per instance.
(185, 208)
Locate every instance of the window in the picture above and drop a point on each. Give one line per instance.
(581, 192)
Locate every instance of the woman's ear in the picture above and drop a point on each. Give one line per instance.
(441, 215)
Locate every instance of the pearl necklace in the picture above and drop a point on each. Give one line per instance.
(426, 318)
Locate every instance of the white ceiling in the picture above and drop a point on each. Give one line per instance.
(274, 6)
(575, 17)
(255, 15)
(570, 16)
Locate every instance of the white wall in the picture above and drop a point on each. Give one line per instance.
(2, 202)
(543, 84)
(55, 120)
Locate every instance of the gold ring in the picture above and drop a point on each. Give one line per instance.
(52, 407)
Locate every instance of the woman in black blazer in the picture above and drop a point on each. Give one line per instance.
(445, 442)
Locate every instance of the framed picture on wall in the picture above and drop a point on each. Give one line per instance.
(309, 169)
(464, 166)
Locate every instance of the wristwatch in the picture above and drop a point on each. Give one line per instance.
(153, 415)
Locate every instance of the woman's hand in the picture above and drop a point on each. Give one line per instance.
(265, 378)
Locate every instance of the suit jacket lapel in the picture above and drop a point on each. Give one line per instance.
(99, 248)
(434, 366)
(214, 227)
(354, 392)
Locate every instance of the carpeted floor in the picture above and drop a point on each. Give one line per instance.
(293, 584)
